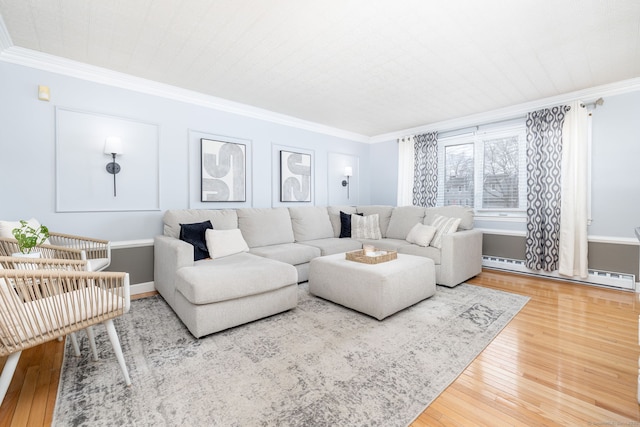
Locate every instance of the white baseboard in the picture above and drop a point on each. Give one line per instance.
(596, 277)
(141, 288)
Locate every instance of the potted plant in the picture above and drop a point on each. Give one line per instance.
(29, 237)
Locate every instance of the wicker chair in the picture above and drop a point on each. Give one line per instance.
(54, 264)
(96, 252)
(43, 299)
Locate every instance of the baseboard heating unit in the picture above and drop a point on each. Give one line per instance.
(596, 277)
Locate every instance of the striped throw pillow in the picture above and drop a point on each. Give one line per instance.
(444, 225)
(365, 227)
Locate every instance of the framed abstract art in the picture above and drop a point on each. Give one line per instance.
(223, 171)
(295, 177)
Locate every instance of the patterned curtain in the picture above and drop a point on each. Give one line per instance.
(544, 159)
(425, 173)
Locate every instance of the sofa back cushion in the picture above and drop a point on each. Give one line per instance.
(465, 214)
(334, 216)
(310, 223)
(265, 226)
(221, 219)
(403, 219)
(384, 215)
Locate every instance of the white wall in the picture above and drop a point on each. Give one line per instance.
(384, 178)
(27, 156)
(27, 151)
(616, 166)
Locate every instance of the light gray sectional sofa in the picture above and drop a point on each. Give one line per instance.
(210, 295)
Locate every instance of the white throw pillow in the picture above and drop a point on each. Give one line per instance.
(365, 227)
(421, 234)
(6, 227)
(222, 243)
(443, 225)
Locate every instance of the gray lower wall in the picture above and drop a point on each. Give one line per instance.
(618, 258)
(137, 261)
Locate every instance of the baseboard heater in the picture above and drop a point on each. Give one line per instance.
(596, 277)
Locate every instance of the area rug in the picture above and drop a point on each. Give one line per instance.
(319, 364)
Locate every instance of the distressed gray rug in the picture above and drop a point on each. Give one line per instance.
(317, 365)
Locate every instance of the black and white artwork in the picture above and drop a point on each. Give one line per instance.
(223, 171)
(295, 177)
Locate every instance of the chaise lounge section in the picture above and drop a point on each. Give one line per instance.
(211, 295)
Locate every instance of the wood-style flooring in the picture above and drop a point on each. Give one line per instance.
(569, 358)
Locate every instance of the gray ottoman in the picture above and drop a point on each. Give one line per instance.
(378, 290)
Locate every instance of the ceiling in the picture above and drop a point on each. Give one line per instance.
(366, 66)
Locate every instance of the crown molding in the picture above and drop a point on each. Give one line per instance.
(67, 67)
(515, 111)
(5, 38)
(33, 59)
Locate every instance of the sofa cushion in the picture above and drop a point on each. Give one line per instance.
(310, 223)
(222, 243)
(345, 224)
(384, 215)
(421, 234)
(429, 252)
(291, 253)
(334, 245)
(386, 244)
(444, 225)
(465, 213)
(222, 219)
(209, 281)
(265, 226)
(195, 235)
(365, 227)
(334, 216)
(403, 218)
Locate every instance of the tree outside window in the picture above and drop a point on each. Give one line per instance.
(459, 174)
(500, 174)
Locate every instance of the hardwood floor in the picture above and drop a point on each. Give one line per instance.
(569, 358)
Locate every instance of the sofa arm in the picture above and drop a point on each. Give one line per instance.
(170, 255)
(461, 257)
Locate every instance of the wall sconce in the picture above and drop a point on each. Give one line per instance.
(348, 172)
(113, 146)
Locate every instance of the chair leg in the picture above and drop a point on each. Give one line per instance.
(74, 342)
(7, 373)
(92, 342)
(115, 343)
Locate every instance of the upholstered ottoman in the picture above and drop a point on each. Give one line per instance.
(378, 290)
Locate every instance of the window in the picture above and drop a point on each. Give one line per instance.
(458, 165)
(485, 170)
(500, 173)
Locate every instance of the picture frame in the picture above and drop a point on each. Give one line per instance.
(295, 177)
(223, 171)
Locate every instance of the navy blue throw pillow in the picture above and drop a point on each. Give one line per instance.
(345, 224)
(194, 234)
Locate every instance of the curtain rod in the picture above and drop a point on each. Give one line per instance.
(595, 104)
